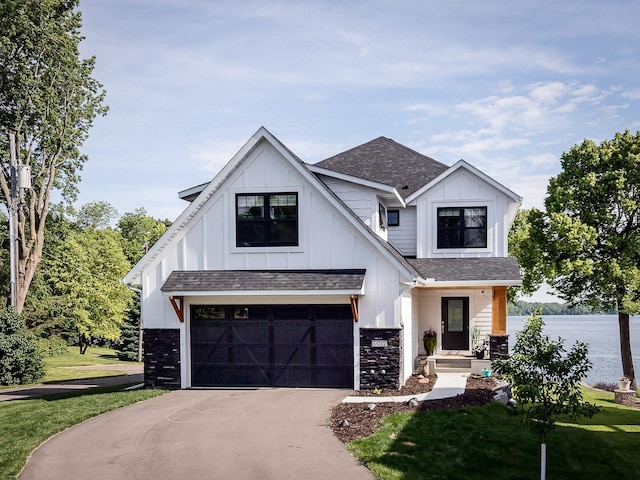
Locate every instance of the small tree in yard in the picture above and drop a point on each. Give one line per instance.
(544, 378)
(20, 360)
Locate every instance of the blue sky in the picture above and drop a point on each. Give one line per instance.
(508, 86)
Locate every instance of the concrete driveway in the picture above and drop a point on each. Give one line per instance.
(204, 434)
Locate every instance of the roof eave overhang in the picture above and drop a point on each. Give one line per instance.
(261, 293)
(383, 187)
(467, 283)
(191, 193)
(461, 164)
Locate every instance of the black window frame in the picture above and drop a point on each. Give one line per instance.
(266, 223)
(382, 216)
(396, 222)
(448, 231)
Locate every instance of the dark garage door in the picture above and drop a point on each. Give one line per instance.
(272, 345)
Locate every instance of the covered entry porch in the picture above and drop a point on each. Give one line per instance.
(463, 303)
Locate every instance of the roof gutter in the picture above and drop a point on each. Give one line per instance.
(468, 283)
(260, 293)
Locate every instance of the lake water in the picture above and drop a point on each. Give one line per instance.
(599, 331)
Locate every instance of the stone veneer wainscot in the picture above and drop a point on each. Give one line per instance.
(162, 357)
(379, 365)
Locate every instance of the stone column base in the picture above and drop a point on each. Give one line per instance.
(625, 397)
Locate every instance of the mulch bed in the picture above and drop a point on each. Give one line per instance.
(364, 422)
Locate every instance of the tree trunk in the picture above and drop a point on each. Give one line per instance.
(625, 349)
(84, 342)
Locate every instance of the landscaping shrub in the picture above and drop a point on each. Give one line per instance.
(606, 386)
(20, 359)
(53, 346)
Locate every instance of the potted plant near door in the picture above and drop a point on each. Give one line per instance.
(429, 339)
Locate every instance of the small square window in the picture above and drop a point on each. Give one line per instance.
(393, 218)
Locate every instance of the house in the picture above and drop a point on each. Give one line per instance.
(280, 273)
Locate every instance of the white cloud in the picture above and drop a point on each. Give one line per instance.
(508, 87)
(547, 93)
(633, 94)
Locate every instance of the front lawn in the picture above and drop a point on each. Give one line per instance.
(25, 424)
(488, 443)
(55, 371)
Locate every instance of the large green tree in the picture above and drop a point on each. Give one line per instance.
(97, 215)
(586, 244)
(139, 232)
(47, 311)
(87, 272)
(48, 96)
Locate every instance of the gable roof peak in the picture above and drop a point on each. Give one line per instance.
(386, 161)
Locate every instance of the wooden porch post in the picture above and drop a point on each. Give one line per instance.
(499, 311)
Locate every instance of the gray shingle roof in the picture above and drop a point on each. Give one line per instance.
(384, 161)
(226, 280)
(467, 269)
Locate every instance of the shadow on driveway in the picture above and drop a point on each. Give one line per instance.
(131, 374)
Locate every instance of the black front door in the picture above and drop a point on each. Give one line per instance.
(455, 323)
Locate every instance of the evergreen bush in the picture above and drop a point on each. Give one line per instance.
(20, 359)
(129, 337)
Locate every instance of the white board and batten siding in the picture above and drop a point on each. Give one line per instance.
(362, 200)
(429, 306)
(404, 236)
(327, 240)
(462, 189)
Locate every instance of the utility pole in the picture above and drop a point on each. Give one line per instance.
(13, 219)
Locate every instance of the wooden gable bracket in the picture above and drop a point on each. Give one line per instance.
(354, 307)
(178, 306)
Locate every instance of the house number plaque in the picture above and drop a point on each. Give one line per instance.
(378, 343)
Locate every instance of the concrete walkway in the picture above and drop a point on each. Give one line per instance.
(447, 385)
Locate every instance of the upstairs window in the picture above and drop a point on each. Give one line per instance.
(382, 216)
(267, 220)
(393, 218)
(462, 227)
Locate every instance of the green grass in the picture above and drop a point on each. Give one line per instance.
(488, 443)
(25, 424)
(55, 371)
